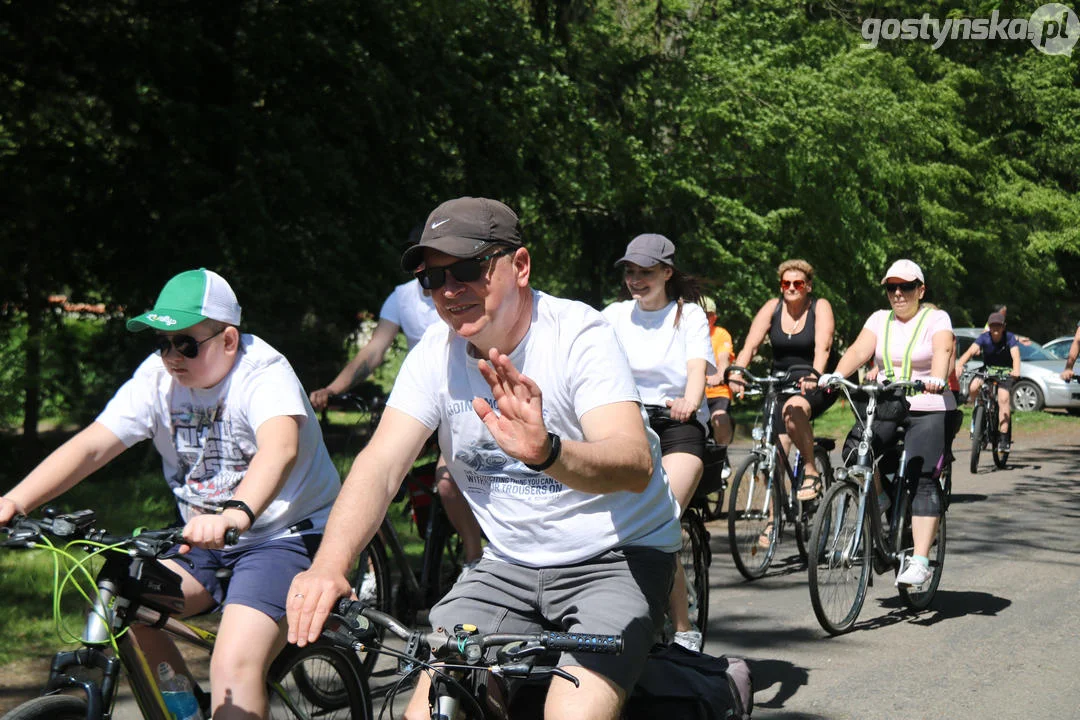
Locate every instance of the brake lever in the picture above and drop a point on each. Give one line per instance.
(524, 670)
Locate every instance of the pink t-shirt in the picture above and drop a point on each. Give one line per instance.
(921, 354)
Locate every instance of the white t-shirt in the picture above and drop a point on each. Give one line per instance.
(528, 517)
(411, 310)
(206, 437)
(922, 352)
(658, 351)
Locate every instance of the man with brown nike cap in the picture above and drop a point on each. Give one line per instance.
(539, 419)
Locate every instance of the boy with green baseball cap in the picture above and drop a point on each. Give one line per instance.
(240, 448)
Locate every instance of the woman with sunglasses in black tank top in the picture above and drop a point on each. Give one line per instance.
(800, 329)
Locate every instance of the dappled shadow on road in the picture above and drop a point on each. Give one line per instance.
(947, 605)
(965, 498)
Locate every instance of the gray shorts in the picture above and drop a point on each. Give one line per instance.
(622, 592)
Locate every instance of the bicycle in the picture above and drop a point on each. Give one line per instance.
(760, 505)
(849, 537)
(985, 417)
(134, 588)
(710, 494)
(443, 555)
(465, 679)
(695, 554)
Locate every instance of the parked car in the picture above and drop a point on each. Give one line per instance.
(1040, 385)
(1059, 346)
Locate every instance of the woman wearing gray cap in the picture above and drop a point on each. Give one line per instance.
(666, 338)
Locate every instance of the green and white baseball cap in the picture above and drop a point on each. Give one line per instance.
(188, 299)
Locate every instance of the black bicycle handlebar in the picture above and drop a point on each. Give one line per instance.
(354, 617)
(25, 532)
(786, 379)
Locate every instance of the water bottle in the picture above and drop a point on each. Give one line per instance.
(179, 697)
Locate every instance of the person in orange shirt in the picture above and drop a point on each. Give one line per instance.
(717, 392)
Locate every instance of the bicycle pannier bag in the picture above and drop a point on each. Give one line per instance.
(678, 683)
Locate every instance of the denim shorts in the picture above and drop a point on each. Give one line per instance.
(261, 574)
(623, 591)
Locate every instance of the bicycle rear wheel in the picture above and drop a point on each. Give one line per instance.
(978, 428)
(753, 523)
(919, 598)
(320, 681)
(839, 572)
(695, 557)
(51, 707)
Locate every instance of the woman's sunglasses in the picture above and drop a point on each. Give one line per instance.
(183, 344)
(905, 287)
(468, 270)
(797, 284)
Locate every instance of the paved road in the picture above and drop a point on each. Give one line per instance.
(1001, 640)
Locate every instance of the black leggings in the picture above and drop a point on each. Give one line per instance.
(925, 442)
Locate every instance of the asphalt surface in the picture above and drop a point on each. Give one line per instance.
(1000, 640)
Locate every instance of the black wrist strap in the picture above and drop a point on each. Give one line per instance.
(239, 505)
(556, 448)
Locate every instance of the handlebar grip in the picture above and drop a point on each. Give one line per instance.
(582, 642)
(232, 536)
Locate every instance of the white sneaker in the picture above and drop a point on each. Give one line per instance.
(467, 568)
(914, 574)
(689, 639)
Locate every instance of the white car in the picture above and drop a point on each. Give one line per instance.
(1040, 385)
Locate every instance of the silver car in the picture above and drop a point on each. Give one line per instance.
(1059, 346)
(1040, 385)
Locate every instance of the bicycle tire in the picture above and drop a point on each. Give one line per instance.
(50, 707)
(695, 558)
(920, 599)
(978, 427)
(371, 582)
(1000, 457)
(839, 575)
(317, 680)
(748, 518)
(444, 556)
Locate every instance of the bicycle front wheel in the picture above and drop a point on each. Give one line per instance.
(317, 681)
(753, 525)
(695, 557)
(51, 707)
(978, 429)
(371, 583)
(919, 598)
(1000, 456)
(839, 569)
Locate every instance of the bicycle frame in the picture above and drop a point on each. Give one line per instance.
(771, 453)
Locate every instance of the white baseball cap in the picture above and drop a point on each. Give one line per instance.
(905, 270)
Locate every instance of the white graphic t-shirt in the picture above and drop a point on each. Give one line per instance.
(411, 310)
(529, 517)
(658, 351)
(206, 437)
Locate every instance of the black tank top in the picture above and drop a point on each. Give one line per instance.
(794, 349)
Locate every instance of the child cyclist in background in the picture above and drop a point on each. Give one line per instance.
(240, 448)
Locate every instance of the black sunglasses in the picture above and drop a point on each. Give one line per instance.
(903, 287)
(183, 344)
(468, 270)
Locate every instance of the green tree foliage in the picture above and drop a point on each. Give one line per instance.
(292, 146)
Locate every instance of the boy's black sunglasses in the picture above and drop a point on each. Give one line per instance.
(903, 287)
(183, 344)
(468, 270)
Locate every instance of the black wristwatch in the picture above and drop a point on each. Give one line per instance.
(556, 448)
(239, 505)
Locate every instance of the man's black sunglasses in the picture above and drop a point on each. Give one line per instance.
(903, 287)
(183, 344)
(468, 270)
